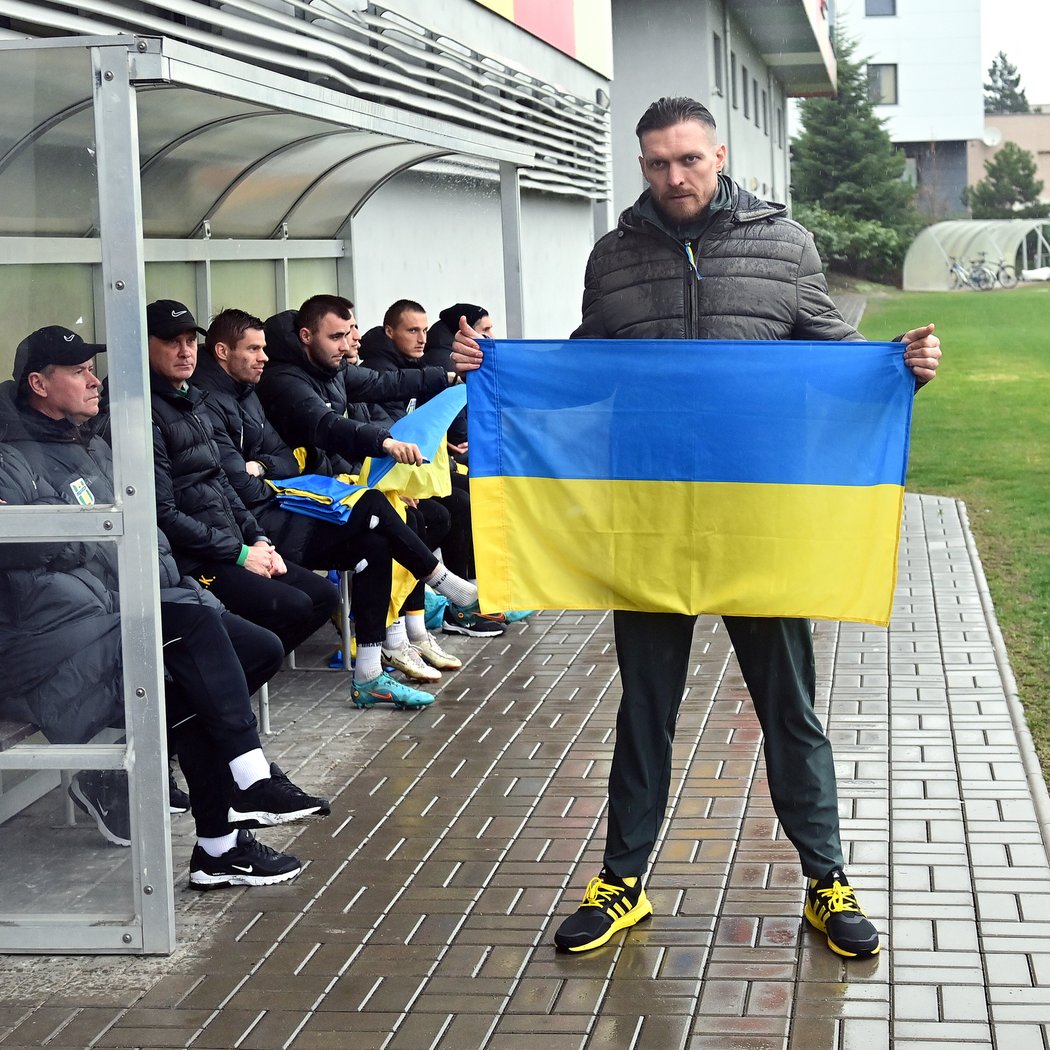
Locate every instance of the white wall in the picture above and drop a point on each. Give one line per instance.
(936, 46)
(438, 240)
(667, 49)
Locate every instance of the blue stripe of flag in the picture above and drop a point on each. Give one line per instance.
(812, 413)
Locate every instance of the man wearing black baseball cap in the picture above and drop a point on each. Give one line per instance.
(71, 393)
(215, 659)
(215, 538)
(167, 319)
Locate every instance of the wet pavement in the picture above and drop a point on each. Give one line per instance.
(462, 835)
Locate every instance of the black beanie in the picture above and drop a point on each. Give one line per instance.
(450, 315)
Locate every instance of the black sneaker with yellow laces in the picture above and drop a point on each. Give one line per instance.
(611, 903)
(831, 906)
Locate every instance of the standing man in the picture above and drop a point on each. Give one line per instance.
(698, 257)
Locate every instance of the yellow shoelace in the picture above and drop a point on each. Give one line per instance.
(599, 893)
(838, 898)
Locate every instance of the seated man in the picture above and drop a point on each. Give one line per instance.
(214, 538)
(251, 450)
(398, 347)
(438, 352)
(214, 660)
(304, 391)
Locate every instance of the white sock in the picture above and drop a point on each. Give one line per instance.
(250, 768)
(369, 663)
(218, 846)
(457, 590)
(416, 625)
(396, 635)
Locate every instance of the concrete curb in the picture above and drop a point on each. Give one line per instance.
(1029, 757)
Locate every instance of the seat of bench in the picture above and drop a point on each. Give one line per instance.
(12, 733)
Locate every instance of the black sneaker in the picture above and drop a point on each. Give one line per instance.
(178, 800)
(457, 620)
(249, 863)
(610, 904)
(275, 800)
(103, 795)
(832, 908)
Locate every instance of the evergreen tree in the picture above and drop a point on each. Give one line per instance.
(844, 159)
(1002, 91)
(1009, 189)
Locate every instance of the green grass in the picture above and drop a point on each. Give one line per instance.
(981, 433)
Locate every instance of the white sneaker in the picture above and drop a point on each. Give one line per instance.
(434, 655)
(408, 661)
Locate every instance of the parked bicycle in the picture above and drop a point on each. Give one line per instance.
(1002, 272)
(980, 277)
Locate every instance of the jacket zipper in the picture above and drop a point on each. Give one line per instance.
(693, 277)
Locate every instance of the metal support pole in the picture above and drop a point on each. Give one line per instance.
(510, 215)
(124, 297)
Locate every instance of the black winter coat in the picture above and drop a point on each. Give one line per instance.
(59, 626)
(197, 506)
(243, 433)
(308, 406)
(379, 354)
(760, 277)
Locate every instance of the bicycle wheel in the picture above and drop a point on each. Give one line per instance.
(1007, 276)
(955, 278)
(983, 277)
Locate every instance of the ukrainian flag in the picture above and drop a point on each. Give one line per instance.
(743, 478)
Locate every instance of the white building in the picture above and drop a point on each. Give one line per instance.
(924, 69)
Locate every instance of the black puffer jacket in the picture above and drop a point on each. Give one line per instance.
(759, 278)
(379, 354)
(308, 406)
(74, 461)
(197, 506)
(59, 626)
(243, 433)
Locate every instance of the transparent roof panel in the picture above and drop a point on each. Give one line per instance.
(47, 144)
(219, 140)
(271, 191)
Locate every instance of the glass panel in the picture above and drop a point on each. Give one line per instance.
(308, 277)
(28, 295)
(263, 198)
(64, 797)
(250, 286)
(172, 280)
(65, 830)
(47, 148)
(880, 7)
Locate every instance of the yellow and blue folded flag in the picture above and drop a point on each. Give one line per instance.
(742, 478)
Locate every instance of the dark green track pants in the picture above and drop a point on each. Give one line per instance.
(776, 657)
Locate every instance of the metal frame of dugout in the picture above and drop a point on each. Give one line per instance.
(108, 76)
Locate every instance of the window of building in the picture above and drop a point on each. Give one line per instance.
(765, 112)
(733, 79)
(720, 83)
(747, 105)
(754, 99)
(873, 8)
(882, 83)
